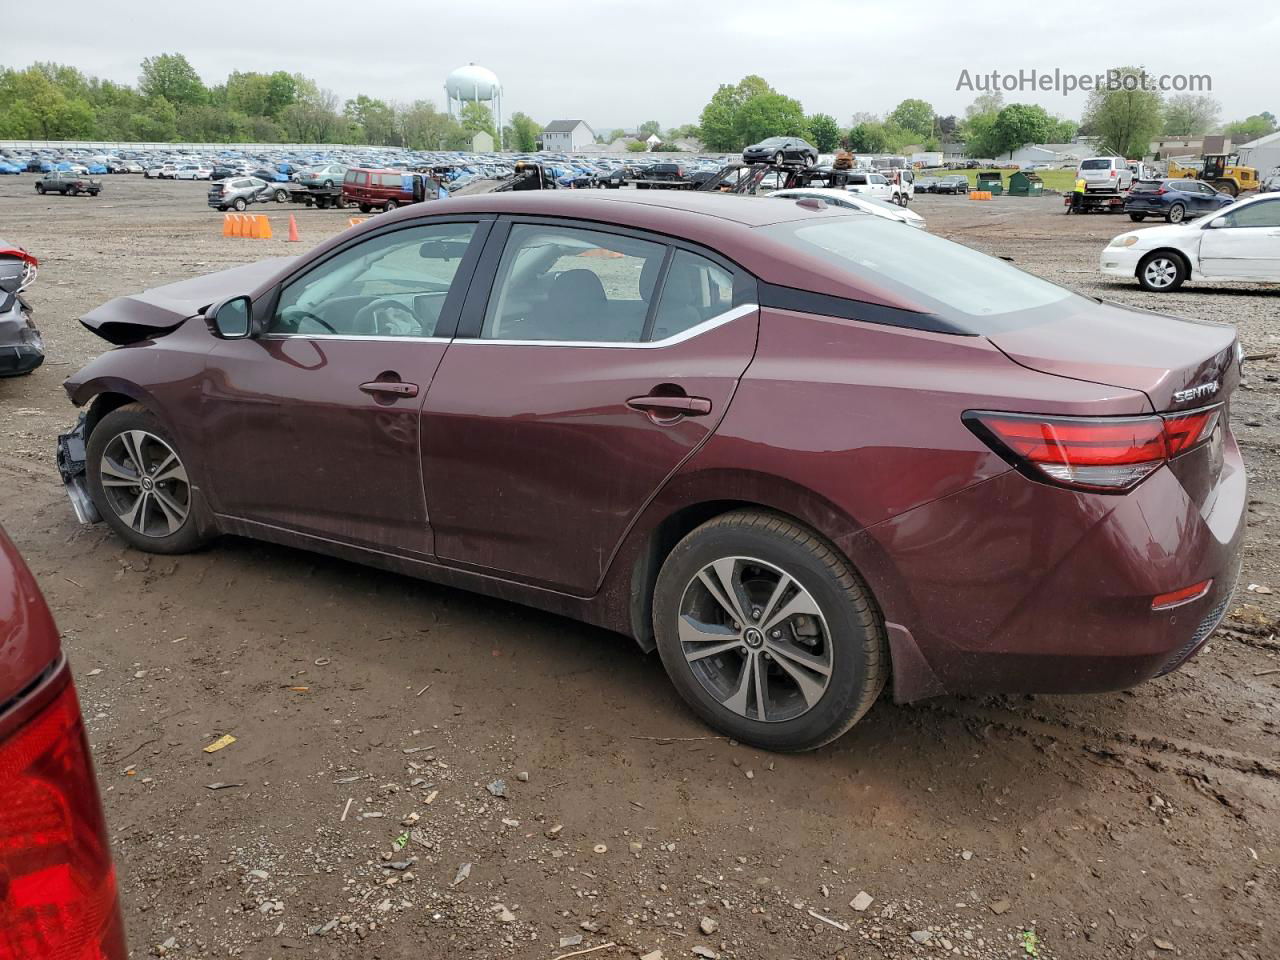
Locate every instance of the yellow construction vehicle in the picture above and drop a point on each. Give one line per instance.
(1224, 171)
(1188, 169)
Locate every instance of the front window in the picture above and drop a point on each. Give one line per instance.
(979, 294)
(391, 285)
(1263, 214)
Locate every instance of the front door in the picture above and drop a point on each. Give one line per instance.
(1248, 246)
(312, 425)
(589, 369)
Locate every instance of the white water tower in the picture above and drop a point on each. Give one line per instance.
(475, 84)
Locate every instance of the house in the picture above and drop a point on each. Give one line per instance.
(652, 140)
(1166, 147)
(1262, 154)
(482, 142)
(567, 136)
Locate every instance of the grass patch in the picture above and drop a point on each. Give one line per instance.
(1063, 180)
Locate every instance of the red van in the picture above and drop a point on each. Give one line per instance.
(386, 189)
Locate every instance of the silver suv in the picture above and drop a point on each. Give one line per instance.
(239, 192)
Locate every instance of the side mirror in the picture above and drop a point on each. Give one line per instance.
(1217, 223)
(230, 319)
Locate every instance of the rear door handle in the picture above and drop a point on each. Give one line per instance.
(395, 388)
(667, 407)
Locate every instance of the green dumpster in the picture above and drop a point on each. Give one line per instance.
(1023, 184)
(991, 180)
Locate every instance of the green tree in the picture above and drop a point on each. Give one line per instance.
(979, 135)
(476, 117)
(636, 146)
(1190, 115)
(1019, 124)
(915, 116)
(524, 133)
(985, 103)
(825, 131)
(868, 137)
(423, 127)
(1250, 128)
(170, 76)
(719, 124)
(1125, 120)
(650, 128)
(375, 121)
(770, 115)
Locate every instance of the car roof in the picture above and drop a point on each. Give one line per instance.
(725, 223)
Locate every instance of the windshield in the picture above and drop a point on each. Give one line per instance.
(979, 294)
(1096, 165)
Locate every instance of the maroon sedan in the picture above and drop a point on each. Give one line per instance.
(796, 448)
(57, 882)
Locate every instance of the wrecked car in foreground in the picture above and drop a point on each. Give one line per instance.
(794, 447)
(21, 347)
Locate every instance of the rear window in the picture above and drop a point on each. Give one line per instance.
(1096, 165)
(978, 294)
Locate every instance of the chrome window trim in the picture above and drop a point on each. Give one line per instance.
(696, 330)
(351, 336)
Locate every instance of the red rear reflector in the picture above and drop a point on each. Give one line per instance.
(57, 882)
(1110, 454)
(1178, 597)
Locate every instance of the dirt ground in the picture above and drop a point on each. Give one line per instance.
(372, 713)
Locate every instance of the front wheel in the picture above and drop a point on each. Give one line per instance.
(40, 188)
(240, 204)
(139, 483)
(391, 205)
(767, 633)
(1161, 272)
(365, 208)
(1137, 217)
(281, 196)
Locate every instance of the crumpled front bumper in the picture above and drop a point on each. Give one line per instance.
(71, 465)
(21, 346)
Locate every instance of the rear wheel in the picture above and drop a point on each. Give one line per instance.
(365, 208)
(767, 633)
(281, 196)
(390, 205)
(1177, 213)
(139, 482)
(1161, 272)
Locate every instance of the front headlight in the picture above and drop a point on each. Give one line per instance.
(1127, 240)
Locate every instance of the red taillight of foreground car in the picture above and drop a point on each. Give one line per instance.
(57, 882)
(1106, 454)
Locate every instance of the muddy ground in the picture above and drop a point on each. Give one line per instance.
(1142, 824)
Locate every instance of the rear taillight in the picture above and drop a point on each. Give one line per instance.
(57, 882)
(1107, 454)
(1161, 192)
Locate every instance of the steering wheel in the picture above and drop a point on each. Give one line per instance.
(389, 318)
(295, 314)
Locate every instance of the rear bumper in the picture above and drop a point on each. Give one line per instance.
(1034, 589)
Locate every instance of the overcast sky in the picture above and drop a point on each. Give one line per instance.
(616, 63)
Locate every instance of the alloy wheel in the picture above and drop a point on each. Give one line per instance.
(145, 483)
(1161, 272)
(756, 639)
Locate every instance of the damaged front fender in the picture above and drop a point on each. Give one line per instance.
(71, 466)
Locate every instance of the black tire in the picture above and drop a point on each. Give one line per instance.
(40, 188)
(93, 193)
(1177, 213)
(282, 196)
(778, 159)
(1137, 217)
(1161, 271)
(390, 205)
(239, 203)
(365, 208)
(854, 640)
(132, 417)
(328, 184)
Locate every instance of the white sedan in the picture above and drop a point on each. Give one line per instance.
(1241, 243)
(855, 201)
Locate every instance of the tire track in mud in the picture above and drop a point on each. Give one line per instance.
(1197, 760)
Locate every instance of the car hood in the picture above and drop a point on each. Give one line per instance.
(1118, 346)
(1165, 234)
(159, 310)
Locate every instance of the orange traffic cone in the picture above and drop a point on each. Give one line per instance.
(293, 230)
(264, 227)
(226, 224)
(238, 229)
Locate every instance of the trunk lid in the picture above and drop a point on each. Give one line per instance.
(29, 641)
(1179, 364)
(160, 310)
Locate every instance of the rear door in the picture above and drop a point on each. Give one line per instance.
(591, 362)
(1248, 246)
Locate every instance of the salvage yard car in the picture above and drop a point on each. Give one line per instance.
(239, 192)
(797, 448)
(854, 201)
(1174, 200)
(952, 184)
(1241, 243)
(780, 150)
(73, 184)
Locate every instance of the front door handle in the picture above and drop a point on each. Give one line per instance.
(665, 408)
(395, 388)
